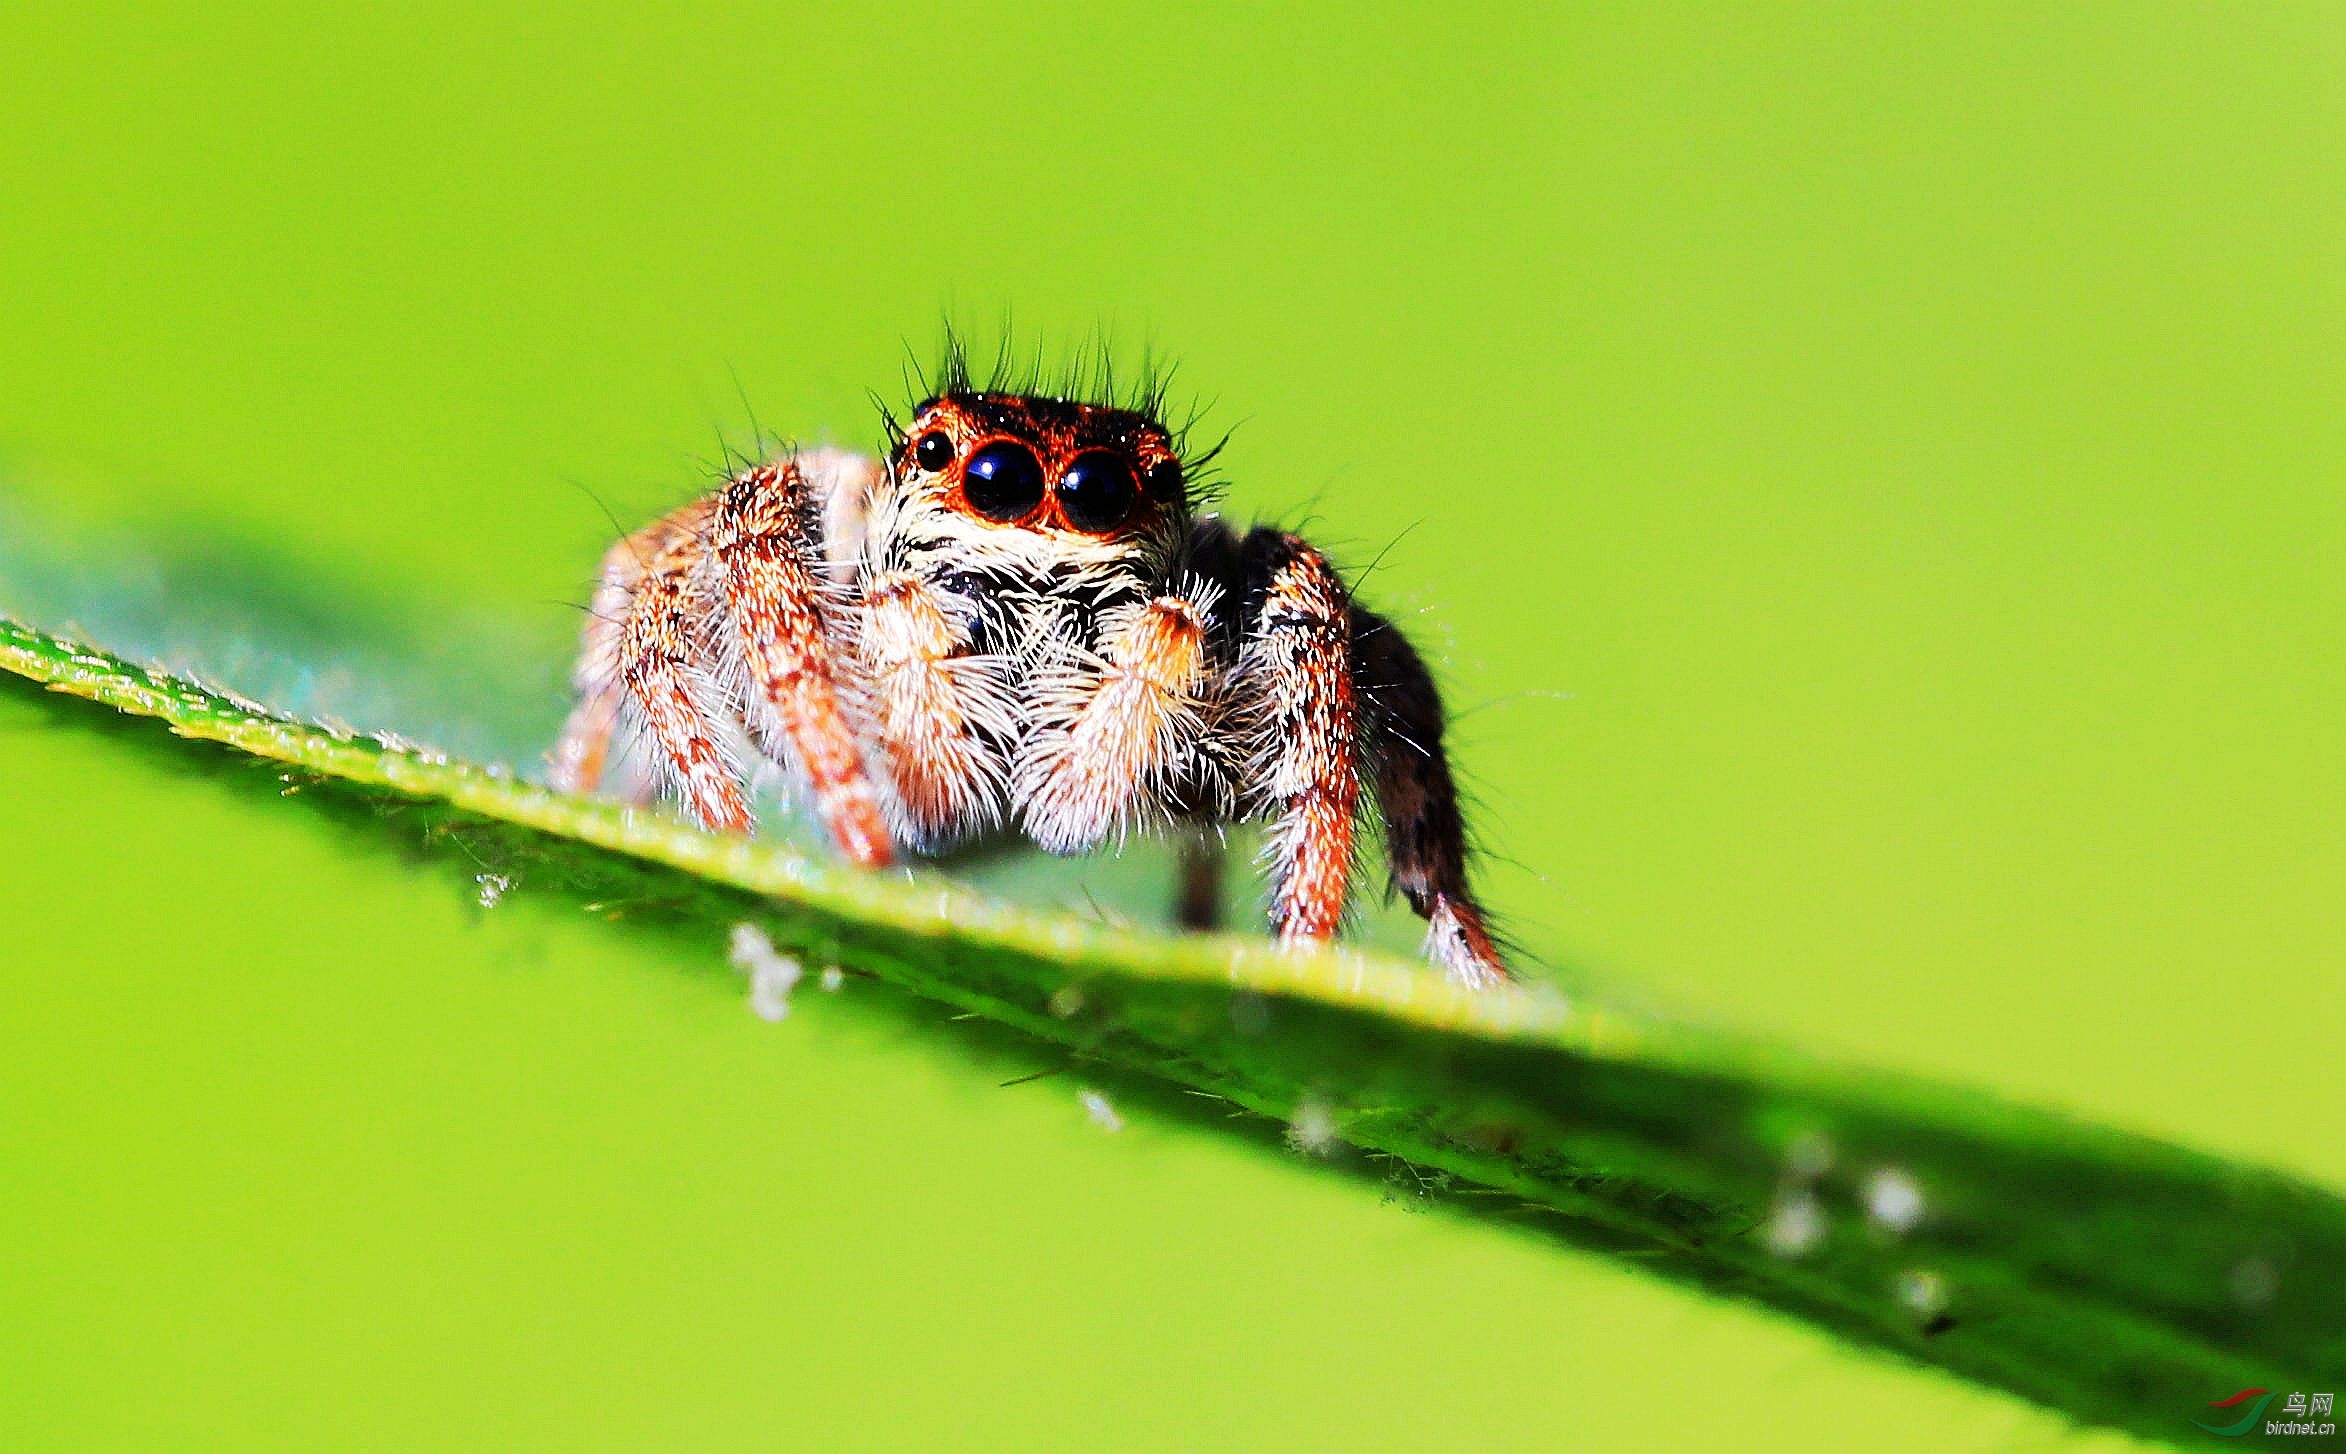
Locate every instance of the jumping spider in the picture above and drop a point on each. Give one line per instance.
(1017, 619)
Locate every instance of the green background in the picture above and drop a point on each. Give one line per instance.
(1872, 483)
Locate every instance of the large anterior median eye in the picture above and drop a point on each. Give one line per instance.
(1003, 481)
(1098, 491)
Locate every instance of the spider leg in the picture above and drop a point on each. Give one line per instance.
(1116, 731)
(582, 753)
(585, 745)
(941, 710)
(1425, 838)
(1304, 730)
(1197, 903)
(664, 664)
(1337, 699)
(764, 539)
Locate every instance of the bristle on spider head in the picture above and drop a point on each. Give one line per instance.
(1087, 375)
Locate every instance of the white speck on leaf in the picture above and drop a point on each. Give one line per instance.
(1797, 1225)
(1312, 1129)
(772, 975)
(493, 887)
(1892, 1201)
(1098, 1107)
(833, 977)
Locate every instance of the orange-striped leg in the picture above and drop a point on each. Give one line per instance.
(768, 565)
(1306, 760)
(942, 710)
(583, 750)
(665, 661)
(1425, 838)
(1117, 732)
(581, 755)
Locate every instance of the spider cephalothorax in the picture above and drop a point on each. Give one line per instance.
(1017, 620)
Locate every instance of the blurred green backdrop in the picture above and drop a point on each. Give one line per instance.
(1873, 482)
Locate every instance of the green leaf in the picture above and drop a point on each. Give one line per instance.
(2093, 1271)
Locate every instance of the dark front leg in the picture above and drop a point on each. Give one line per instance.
(1425, 836)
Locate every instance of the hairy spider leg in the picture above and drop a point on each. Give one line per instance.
(667, 664)
(1425, 837)
(764, 538)
(1119, 728)
(1296, 668)
(941, 710)
(582, 754)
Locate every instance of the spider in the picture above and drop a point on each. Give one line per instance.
(1019, 620)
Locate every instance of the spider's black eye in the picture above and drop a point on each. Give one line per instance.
(1003, 481)
(934, 451)
(1097, 492)
(1165, 478)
